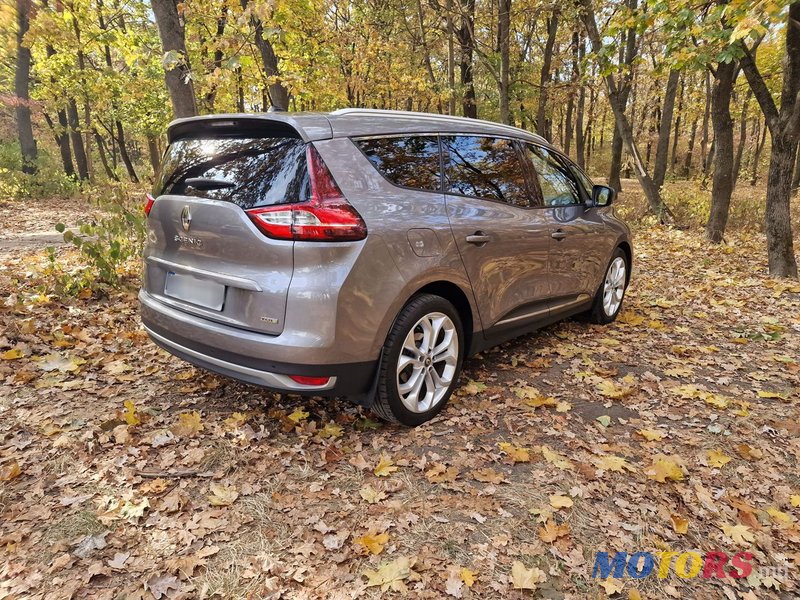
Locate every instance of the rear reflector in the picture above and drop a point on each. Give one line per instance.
(304, 380)
(148, 204)
(326, 217)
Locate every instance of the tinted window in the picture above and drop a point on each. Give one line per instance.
(263, 171)
(558, 186)
(583, 179)
(485, 168)
(407, 161)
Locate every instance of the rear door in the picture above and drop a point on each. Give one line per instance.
(502, 235)
(204, 255)
(575, 229)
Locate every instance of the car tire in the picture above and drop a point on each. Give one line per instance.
(418, 372)
(608, 299)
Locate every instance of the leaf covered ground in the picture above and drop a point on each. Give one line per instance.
(126, 473)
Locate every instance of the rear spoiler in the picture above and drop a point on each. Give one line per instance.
(307, 126)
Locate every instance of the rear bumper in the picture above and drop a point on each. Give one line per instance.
(251, 362)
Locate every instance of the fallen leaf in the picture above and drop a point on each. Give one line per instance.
(129, 414)
(385, 467)
(551, 531)
(134, 510)
(523, 578)
(371, 495)
(222, 495)
(487, 475)
(783, 520)
(612, 463)
(740, 534)
(558, 501)
(390, 575)
(13, 354)
(515, 453)
(679, 524)
(298, 415)
(163, 585)
(664, 468)
(373, 542)
(717, 458)
(189, 424)
(468, 577)
(795, 500)
(10, 471)
(651, 435)
(555, 458)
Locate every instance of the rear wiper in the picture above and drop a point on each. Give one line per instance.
(207, 183)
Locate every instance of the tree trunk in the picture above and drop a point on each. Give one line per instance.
(101, 150)
(784, 127)
(580, 132)
(624, 91)
(544, 77)
(22, 77)
(687, 163)
(451, 60)
(62, 138)
(662, 149)
(737, 162)
(651, 192)
(759, 148)
(154, 153)
(706, 118)
(466, 40)
(722, 183)
(677, 132)
(177, 77)
(77, 141)
(503, 34)
(123, 152)
(796, 178)
(278, 94)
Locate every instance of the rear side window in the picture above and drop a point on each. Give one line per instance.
(250, 172)
(485, 167)
(558, 186)
(411, 161)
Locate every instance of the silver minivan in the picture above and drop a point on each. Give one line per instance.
(366, 253)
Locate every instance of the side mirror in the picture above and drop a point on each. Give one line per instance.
(602, 195)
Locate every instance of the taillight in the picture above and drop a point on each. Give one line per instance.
(326, 217)
(307, 380)
(148, 204)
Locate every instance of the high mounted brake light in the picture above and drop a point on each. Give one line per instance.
(326, 217)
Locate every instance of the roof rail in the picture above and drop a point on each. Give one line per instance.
(406, 114)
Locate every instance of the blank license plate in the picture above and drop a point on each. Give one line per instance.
(201, 292)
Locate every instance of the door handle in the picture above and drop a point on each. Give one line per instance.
(558, 234)
(478, 238)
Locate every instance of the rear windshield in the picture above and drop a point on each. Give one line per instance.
(260, 171)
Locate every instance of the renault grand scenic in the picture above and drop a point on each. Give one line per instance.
(366, 253)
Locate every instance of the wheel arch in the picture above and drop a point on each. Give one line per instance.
(458, 298)
(625, 246)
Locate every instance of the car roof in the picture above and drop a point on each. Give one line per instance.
(355, 122)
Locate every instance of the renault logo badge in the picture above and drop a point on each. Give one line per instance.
(186, 218)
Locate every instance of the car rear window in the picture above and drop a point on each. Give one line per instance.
(410, 161)
(262, 170)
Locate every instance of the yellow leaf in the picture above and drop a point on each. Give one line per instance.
(663, 468)
(679, 524)
(783, 520)
(188, 424)
(13, 354)
(611, 390)
(772, 395)
(390, 575)
(10, 471)
(612, 463)
(558, 501)
(717, 458)
(795, 500)
(651, 435)
(331, 430)
(372, 542)
(633, 594)
(385, 467)
(129, 414)
(550, 532)
(740, 534)
(523, 578)
(563, 407)
(515, 453)
(473, 388)
(468, 577)
(371, 495)
(222, 495)
(715, 400)
(235, 421)
(611, 586)
(298, 415)
(555, 458)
